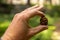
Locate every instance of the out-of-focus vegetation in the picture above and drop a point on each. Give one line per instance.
(5, 20)
(52, 14)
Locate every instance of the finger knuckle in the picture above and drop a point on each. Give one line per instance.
(16, 15)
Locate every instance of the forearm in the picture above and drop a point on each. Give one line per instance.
(7, 36)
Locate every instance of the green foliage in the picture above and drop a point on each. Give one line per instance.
(4, 22)
(53, 10)
(34, 21)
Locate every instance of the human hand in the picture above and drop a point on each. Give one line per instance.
(19, 28)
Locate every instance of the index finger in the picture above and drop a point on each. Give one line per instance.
(32, 12)
(30, 15)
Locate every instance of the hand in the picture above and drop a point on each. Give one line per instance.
(19, 28)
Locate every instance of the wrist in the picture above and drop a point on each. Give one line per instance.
(6, 37)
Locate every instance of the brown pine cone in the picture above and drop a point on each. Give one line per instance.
(43, 21)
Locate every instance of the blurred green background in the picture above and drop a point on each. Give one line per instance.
(8, 10)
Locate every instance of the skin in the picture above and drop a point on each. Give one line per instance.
(19, 28)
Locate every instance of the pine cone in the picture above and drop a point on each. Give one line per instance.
(43, 21)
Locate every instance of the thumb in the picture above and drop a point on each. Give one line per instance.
(36, 30)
